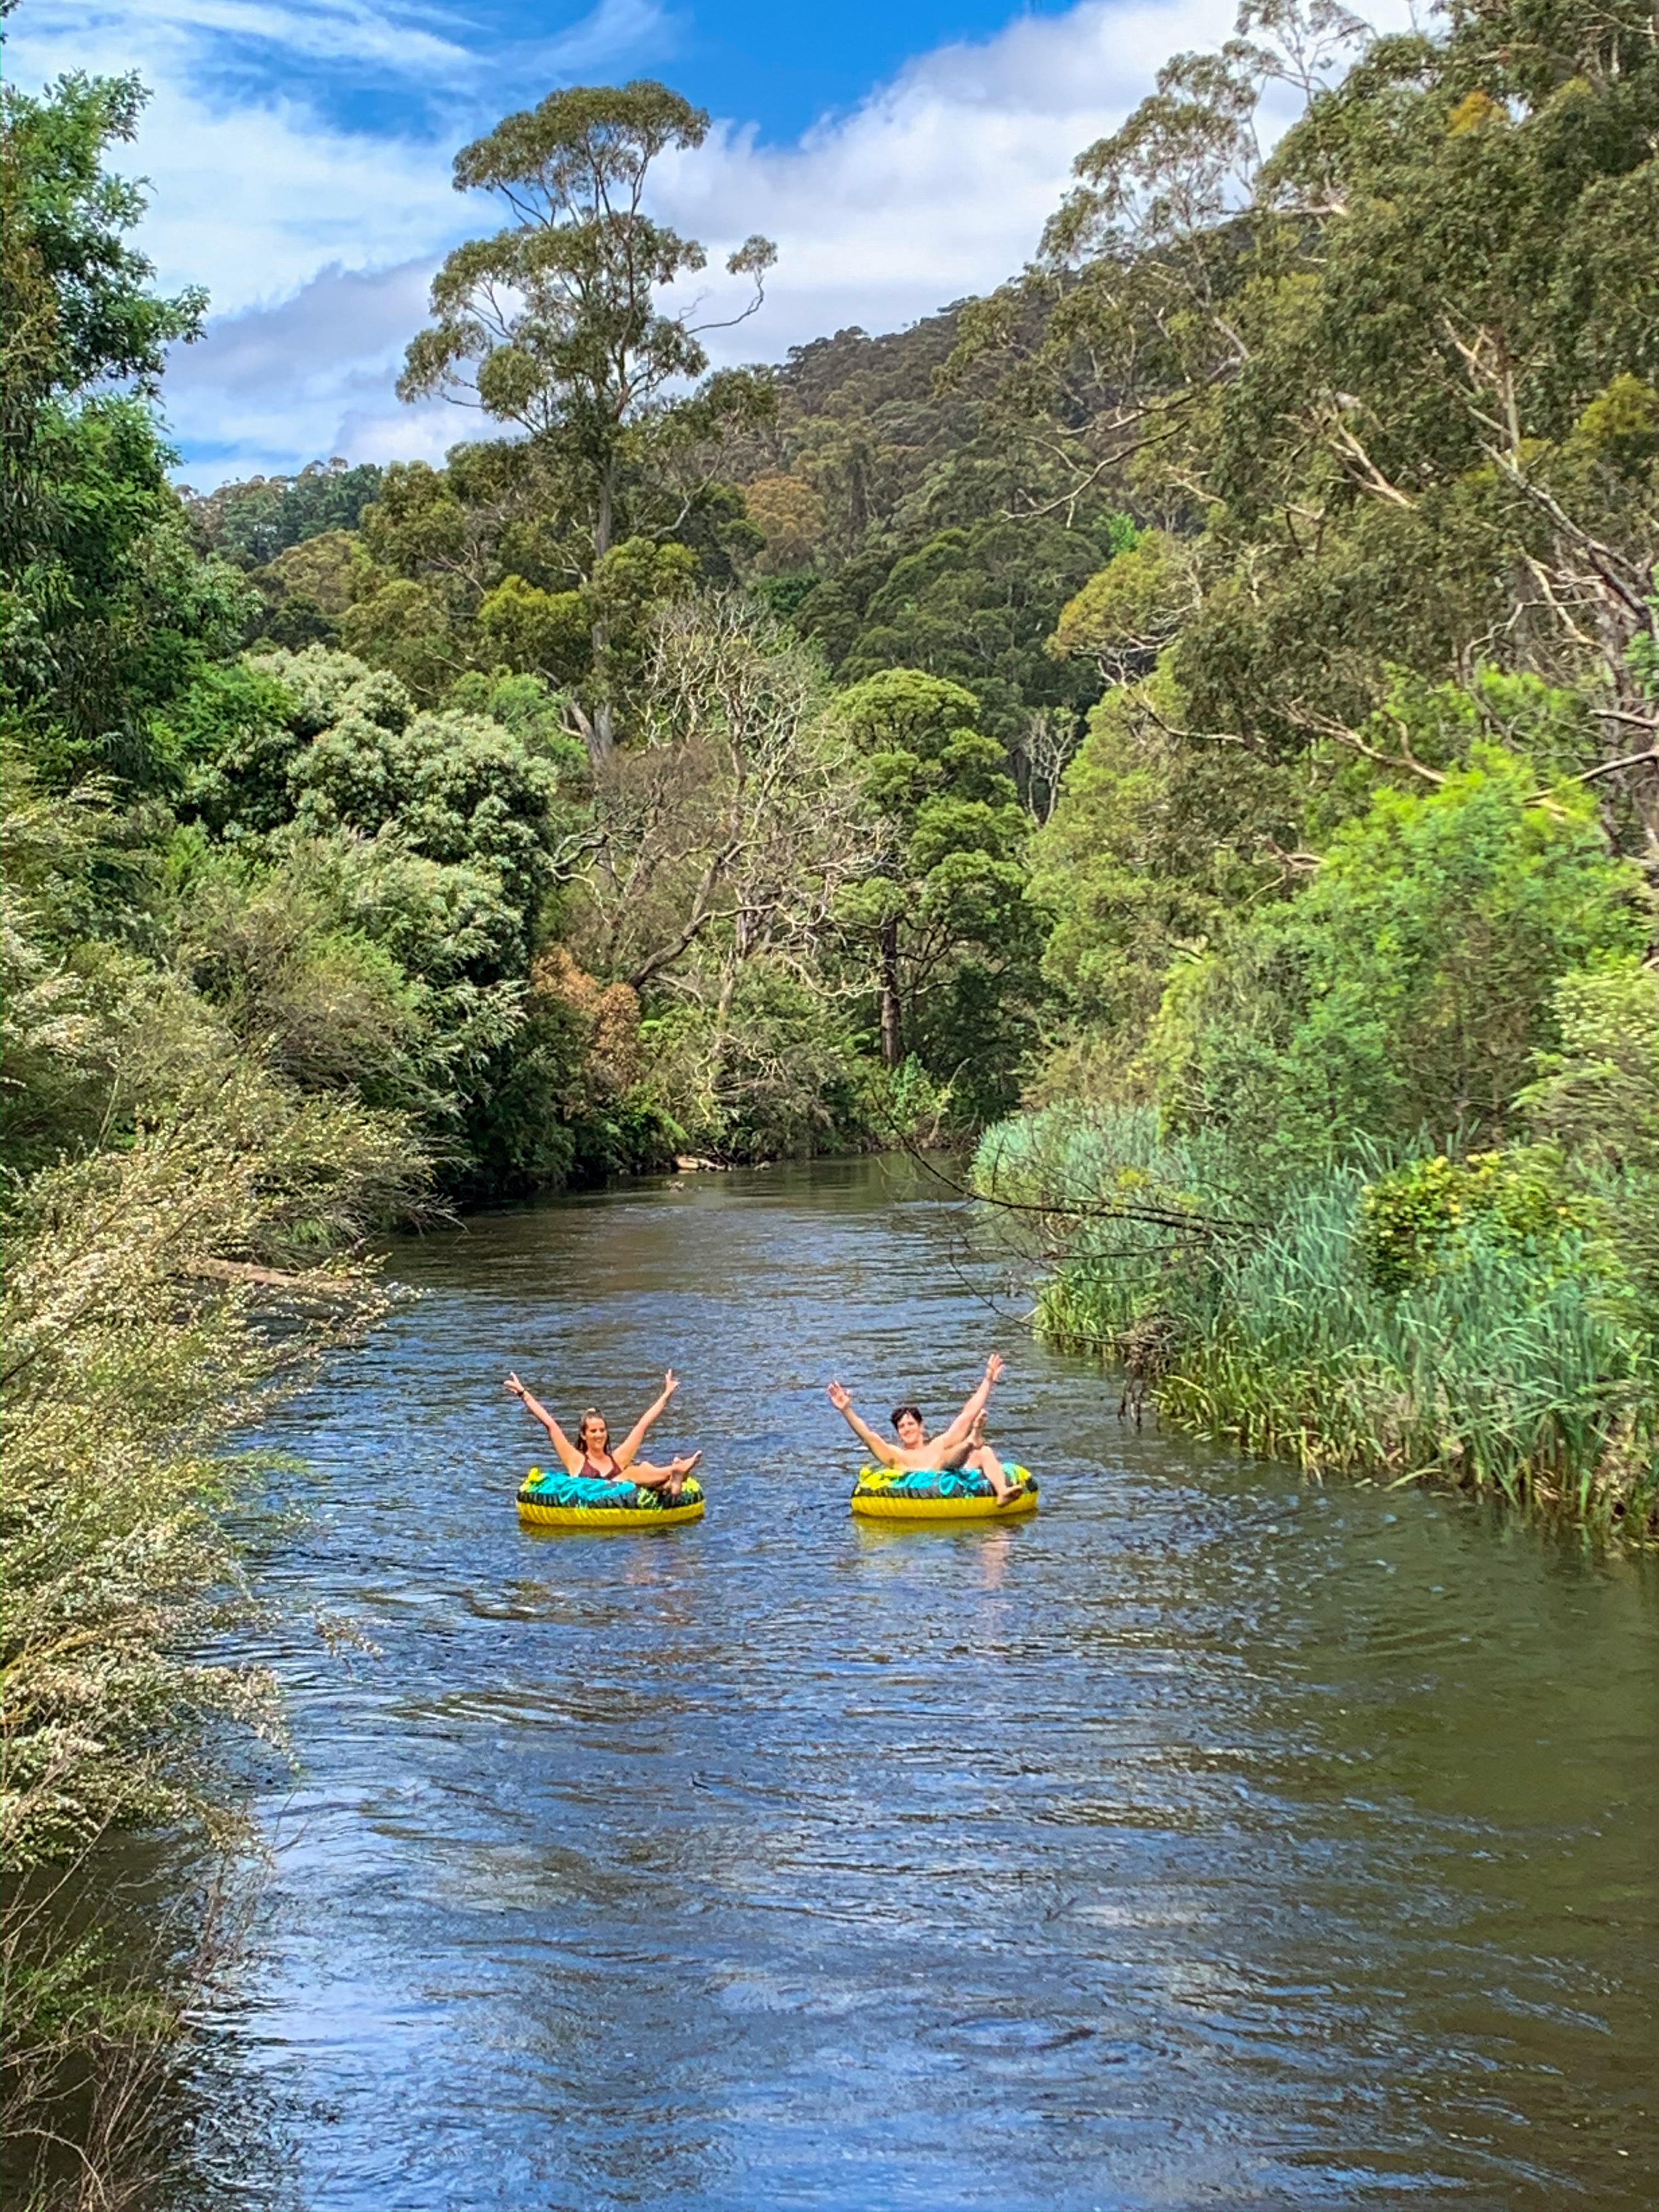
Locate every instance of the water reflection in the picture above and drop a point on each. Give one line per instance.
(1205, 1840)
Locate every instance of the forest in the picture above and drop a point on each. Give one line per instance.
(1181, 729)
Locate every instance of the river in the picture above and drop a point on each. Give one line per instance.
(1211, 1839)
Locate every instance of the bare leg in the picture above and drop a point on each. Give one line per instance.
(984, 1461)
(961, 1455)
(668, 1478)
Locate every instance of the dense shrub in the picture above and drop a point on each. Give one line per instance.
(1460, 1320)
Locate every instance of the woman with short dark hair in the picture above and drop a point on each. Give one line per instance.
(961, 1444)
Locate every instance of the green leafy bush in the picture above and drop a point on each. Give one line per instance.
(1411, 982)
(1501, 1352)
(1417, 1221)
(1597, 1094)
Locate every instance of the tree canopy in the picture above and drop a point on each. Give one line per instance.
(556, 326)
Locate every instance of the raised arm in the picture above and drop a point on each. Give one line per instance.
(568, 1454)
(842, 1400)
(958, 1430)
(630, 1444)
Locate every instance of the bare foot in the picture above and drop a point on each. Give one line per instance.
(678, 1471)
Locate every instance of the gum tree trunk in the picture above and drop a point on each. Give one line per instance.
(892, 1016)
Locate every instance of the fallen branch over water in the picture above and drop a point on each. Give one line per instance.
(317, 1284)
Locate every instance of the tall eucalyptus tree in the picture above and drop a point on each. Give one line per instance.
(556, 325)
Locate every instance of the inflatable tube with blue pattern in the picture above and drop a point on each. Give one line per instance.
(896, 1493)
(557, 1500)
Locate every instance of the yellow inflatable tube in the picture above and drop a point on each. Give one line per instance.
(887, 1493)
(574, 1501)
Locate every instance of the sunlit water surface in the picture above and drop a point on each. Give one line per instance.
(1209, 1840)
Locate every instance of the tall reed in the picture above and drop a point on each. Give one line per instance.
(1528, 1373)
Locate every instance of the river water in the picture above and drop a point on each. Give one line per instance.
(1211, 1840)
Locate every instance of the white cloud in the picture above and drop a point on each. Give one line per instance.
(615, 30)
(310, 376)
(317, 243)
(397, 39)
(939, 185)
(253, 197)
(249, 200)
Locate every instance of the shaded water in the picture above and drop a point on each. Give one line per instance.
(1208, 1840)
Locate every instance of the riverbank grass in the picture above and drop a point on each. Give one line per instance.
(157, 1297)
(1500, 1349)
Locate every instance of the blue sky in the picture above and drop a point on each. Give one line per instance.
(299, 152)
(779, 68)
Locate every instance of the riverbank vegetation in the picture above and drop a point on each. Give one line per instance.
(1189, 714)
(1349, 1147)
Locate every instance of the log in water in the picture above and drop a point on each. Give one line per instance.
(1211, 1839)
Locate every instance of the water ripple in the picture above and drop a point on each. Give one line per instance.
(1209, 1840)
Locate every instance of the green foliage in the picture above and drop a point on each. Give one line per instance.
(1153, 846)
(351, 753)
(1411, 982)
(485, 567)
(1128, 612)
(404, 628)
(1376, 402)
(1512, 1373)
(134, 1350)
(557, 325)
(631, 587)
(1599, 1091)
(181, 1218)
(353, 969)
(105, 606)
(61, 1022)
(516, 1134)
(726, 846)
(1597, 1094)
(951, 935)
(361, 894)
(1511, 1366)
(974, 604)
(255, 520)
(549, 634)
(75, 295)
(1378, 398)
(150, 1314)
(776, 1077)
(526, 705)
(784, 595)
(1432, 1216)
(885, 455)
